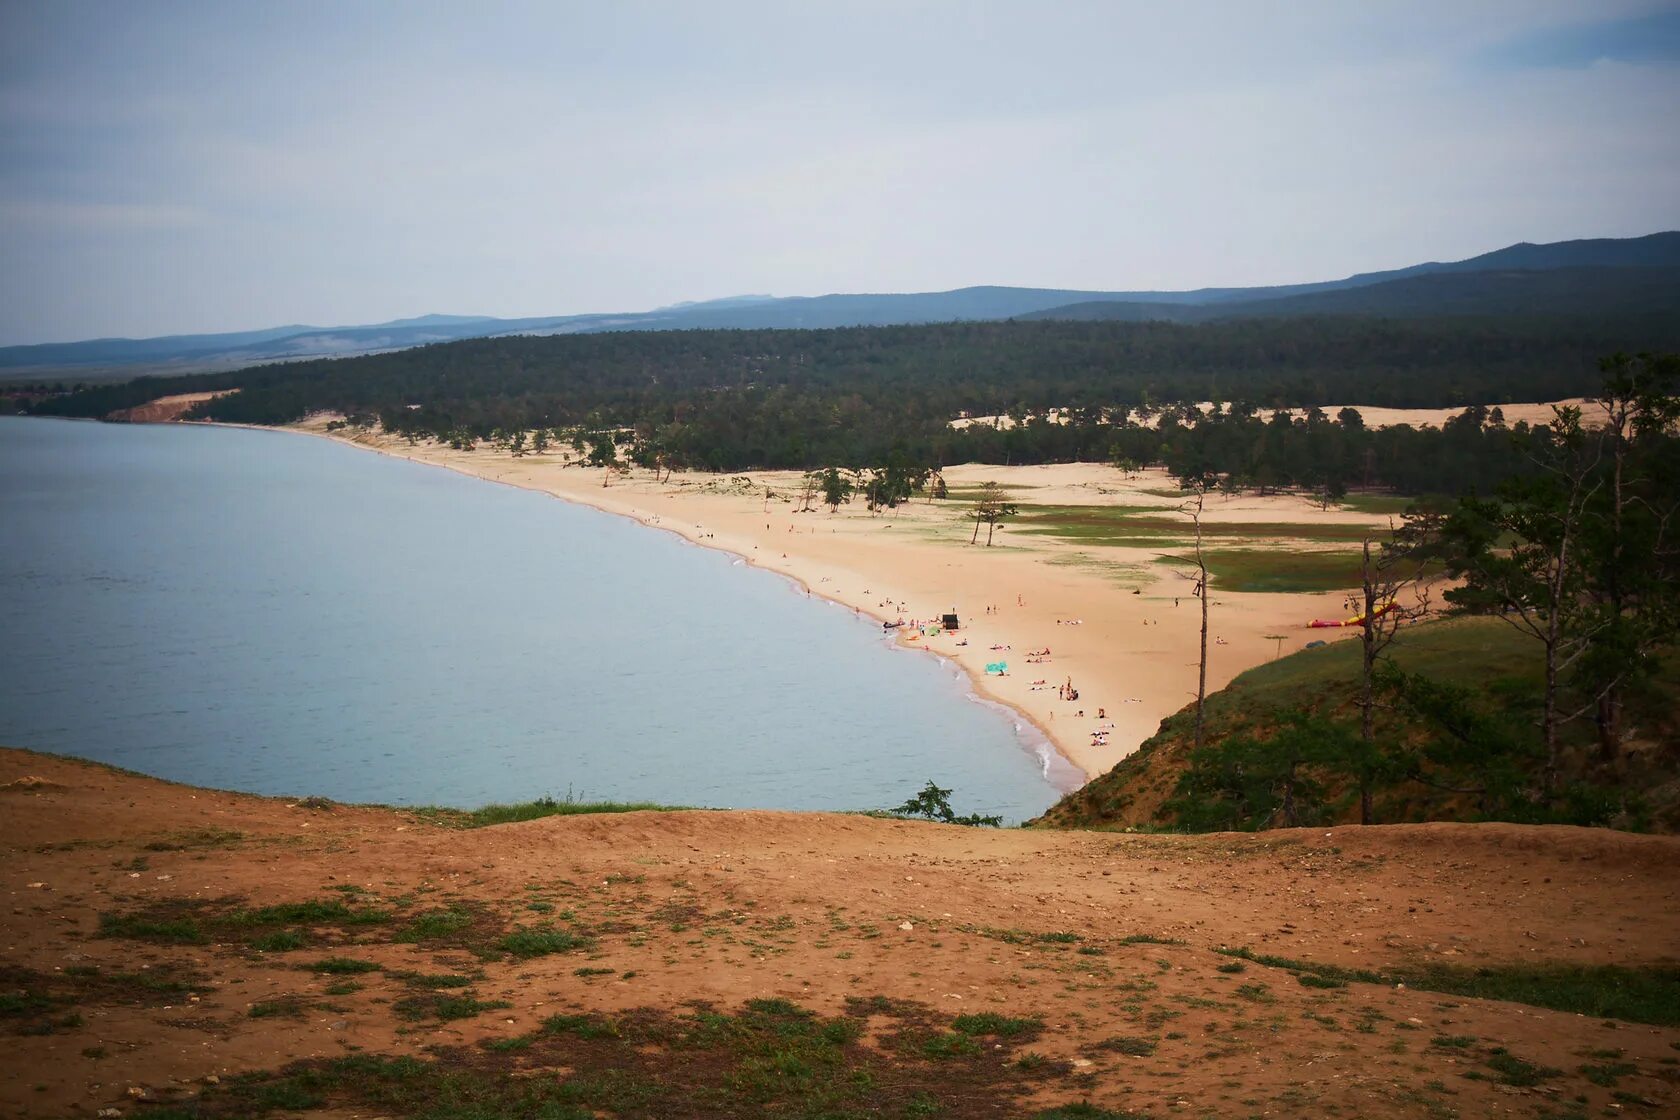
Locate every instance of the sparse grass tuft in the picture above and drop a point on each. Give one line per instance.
(989, 1023)
(138, 927)
(1085, 1110)
(283, 1007)
(488, 815)
(952, 1044)
(1637, 993)
(771, 1058)
(582, 1026)
(527, 943)
(1513, 1070)
(444, 1008)
(342, 966)
(435, 925)
(280, 941)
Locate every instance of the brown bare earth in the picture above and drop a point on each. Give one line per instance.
(1107, 940)
(165, 409)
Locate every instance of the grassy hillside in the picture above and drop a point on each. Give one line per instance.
(1163, 787)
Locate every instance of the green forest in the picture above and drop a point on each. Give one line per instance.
(867, 396)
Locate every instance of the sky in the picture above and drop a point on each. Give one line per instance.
(173, 168)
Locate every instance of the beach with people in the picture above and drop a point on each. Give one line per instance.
(1116, 621)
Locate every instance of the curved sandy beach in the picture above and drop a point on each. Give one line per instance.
(1118, 624)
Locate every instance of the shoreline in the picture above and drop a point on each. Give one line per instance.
(1027, 594)
(1054, 758)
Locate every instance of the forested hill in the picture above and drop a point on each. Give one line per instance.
(734, 399)
(1484, 286)
(1566, 292)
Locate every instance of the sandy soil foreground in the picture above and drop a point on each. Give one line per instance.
(1108, 940)
(1121, 626)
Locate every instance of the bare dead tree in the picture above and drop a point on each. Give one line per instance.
(1193, 510)
(808, 491)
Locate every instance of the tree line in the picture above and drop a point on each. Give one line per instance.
(798, 399)
(1580, 555)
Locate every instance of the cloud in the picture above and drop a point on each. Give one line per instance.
(174, 167)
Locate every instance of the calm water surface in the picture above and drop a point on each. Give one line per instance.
(268, 612)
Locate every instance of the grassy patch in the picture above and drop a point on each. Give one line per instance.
(487, 815)
(1275, 570)
(183, 930)
(433, 980)
(949, 1044)
(1453, 1041)
(280, 941)
(445, 1008)
(990, 1024)
(769, 1058)
(1025, 937)
(341, 966)
(1085, 1110)
(539, 942)
(1155, 527)
(1640, 994)
(1513, 1070)
(284, 1007)
(1381, 504)
(323, 912)
(580, 1026)
(277, 928)
(198, 838)
(437, 925)
(1148, 939)
(1607, 1074)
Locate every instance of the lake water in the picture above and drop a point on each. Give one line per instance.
(279, 614)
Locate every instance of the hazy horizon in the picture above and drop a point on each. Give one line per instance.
(169, 168)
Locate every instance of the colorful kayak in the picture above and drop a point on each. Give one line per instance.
(1357, 620)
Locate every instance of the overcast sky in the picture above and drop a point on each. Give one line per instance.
(170, 168)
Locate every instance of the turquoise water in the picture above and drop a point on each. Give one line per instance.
(273, 613)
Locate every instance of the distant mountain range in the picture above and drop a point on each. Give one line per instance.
(1619, 277)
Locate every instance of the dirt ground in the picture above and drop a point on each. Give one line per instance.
(165, 408)
(1105, 938)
